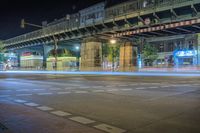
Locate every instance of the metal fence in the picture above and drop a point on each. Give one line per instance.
(74, 21)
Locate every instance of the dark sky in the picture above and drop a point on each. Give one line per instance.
(35, 11)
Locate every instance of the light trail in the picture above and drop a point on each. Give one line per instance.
(176, 74)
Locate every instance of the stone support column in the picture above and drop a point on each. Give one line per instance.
(91, 55)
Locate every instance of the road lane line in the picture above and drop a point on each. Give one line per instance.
(153, 87)
(45, 93)
(140, 88)
(126, 89)
(81, 92)
(24, 94)
(82, 120)
(98, 90)
(23, 90)
(4, 95)
(31, 104)
(38, 89)
(164, 86)
(45, 108)
(112, 90)
(54, 89)
(61, 113)
(109, 128)
(66, 92)
(20, 101)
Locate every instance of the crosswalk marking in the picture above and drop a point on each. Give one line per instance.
(126, 89)
(140, 88)
(61, 113)
(20, 101)
(45, 108)
(67, 92)
(31, 104)
(98, 91)
(82, 120)
(109, 128)
(81, 91)
(45, 93)
(24, 94)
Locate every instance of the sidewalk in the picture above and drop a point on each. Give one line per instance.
(20, 119)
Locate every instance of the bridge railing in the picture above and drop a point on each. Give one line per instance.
(110, 13)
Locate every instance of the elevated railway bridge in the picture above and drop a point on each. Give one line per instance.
(125, 22)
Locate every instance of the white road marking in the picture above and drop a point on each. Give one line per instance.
(4, 95)
(98, 90)
(81, 91)
(153, 87)
(113, 90)
(82, 120)
(140, 88)
(122, 85)
(20, 101)
(165, 86)
(110, 86)
(31, 104)
(97, 86)
(61, 113)
(45, 108)
(186, 85)
(133, 84)
(23, 90)
(126, 89)
(67, 92)
(68, 88)
(83, 87)
(38, 89)
(24, 94)
(45, 93)
(6, 90)
(54, 89)
(109, 129)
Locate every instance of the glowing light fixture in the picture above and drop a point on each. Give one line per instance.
(113, 41)
(77, 48)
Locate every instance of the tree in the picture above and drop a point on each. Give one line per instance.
(111, 53)
(2, 57)
(150, 54)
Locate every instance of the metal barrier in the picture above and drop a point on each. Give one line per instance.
(74, 22)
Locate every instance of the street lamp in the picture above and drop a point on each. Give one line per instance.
(113, 41)
(55, 40)
(77, 56)
(77, 47)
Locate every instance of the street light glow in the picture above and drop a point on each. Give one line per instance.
(113, 41)
(77, 47)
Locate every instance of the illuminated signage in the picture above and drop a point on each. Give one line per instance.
(186, 53)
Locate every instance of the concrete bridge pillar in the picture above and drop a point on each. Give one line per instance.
(91, 55)
(198, 49)
(128, 57)
(46, 49)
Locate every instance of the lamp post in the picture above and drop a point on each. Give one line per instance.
(77, 56)
(24, 23)
(113, 41)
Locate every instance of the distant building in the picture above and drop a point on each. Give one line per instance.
(177, 51)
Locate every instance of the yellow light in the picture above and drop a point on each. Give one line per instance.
(113, 41)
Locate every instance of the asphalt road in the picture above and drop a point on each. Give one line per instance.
(98, 104)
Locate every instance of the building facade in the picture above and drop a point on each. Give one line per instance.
(176, 51)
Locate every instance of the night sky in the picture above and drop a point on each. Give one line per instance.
(35, 11)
